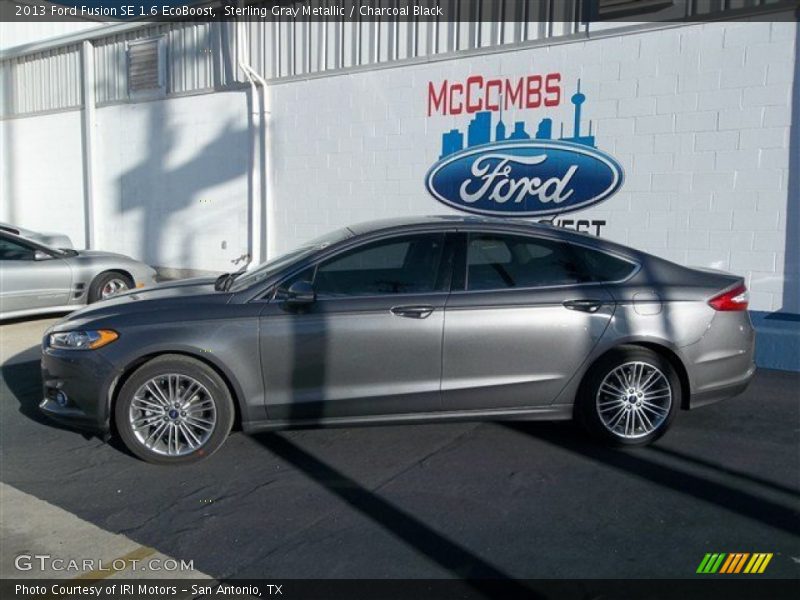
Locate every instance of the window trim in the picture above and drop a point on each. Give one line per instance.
(464, 267)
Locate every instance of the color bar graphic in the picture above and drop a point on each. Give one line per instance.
(733, 563)
(758, 563)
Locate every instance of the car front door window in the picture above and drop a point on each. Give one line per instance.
(12, 250)
(403, 265)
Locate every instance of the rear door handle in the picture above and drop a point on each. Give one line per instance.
(412, 312)
(589, 306)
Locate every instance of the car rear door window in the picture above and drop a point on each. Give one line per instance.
(400, 265)
(500, 261)
(601, 266)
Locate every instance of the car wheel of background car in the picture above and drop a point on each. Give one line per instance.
(629, 397)
(174, 409)
(108, 284)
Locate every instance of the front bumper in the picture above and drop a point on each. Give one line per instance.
(81, 379)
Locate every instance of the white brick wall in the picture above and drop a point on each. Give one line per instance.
(698, 115)
(41, 179)
(172, 180)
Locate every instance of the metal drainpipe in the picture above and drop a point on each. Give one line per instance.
(257, 156)
(88, 126)
(264, 164)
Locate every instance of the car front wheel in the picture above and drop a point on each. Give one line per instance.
(629, 397)
(108, 285)
(174, 409)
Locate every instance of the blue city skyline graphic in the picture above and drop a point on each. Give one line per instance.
(479, 130)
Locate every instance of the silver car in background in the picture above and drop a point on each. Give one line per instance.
(37, 279)
(438, 318)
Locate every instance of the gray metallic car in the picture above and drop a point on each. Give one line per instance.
(38, 279)
(406, 321)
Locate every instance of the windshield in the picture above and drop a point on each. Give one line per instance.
(54, 250)
(37, 245)
(274, 265)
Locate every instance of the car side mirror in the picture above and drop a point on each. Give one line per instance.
(41, 255)
(300, 293)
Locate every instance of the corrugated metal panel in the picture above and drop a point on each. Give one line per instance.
(202, 56)
(199, 56)
(41, 82)
(294, 48)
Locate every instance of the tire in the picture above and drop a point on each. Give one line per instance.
(102, 282)
(634, 381)
(166, 434)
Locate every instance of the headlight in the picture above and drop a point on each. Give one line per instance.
(82, 340)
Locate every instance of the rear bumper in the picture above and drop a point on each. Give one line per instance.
(722, 363)
(709, 396)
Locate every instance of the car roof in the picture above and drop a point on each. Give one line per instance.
(474, 222)
(449, 221)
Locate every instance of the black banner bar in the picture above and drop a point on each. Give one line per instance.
(703, 587)
(476, 11)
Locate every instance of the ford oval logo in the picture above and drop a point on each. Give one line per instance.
(526, 178)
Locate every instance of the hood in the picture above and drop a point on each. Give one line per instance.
(177, 296)
(99, 254)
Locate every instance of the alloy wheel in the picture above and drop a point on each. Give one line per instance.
(113, 287)
(634, 399)
(172, 414)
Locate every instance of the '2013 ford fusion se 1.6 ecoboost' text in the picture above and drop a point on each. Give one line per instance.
(405, 321)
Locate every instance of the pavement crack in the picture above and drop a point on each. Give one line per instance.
(452, 443)
(297, 538)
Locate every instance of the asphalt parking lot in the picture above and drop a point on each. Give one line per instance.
(533, 500)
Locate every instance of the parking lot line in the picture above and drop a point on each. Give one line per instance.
(42, 541)
(126, 562)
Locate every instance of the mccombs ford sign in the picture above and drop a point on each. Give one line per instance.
(516, 174)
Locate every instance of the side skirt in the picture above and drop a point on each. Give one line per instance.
(559, 412)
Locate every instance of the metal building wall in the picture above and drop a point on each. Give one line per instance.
(41, 82)
(289, 49)
(202, 56)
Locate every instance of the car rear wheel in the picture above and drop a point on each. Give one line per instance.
(629, 397)
(107, 285)
(174, 409)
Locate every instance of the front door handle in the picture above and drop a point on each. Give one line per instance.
(589, 306)
(412, 312)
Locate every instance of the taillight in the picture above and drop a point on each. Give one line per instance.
(735, 299)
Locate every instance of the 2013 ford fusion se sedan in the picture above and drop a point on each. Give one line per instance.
(406, 321)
